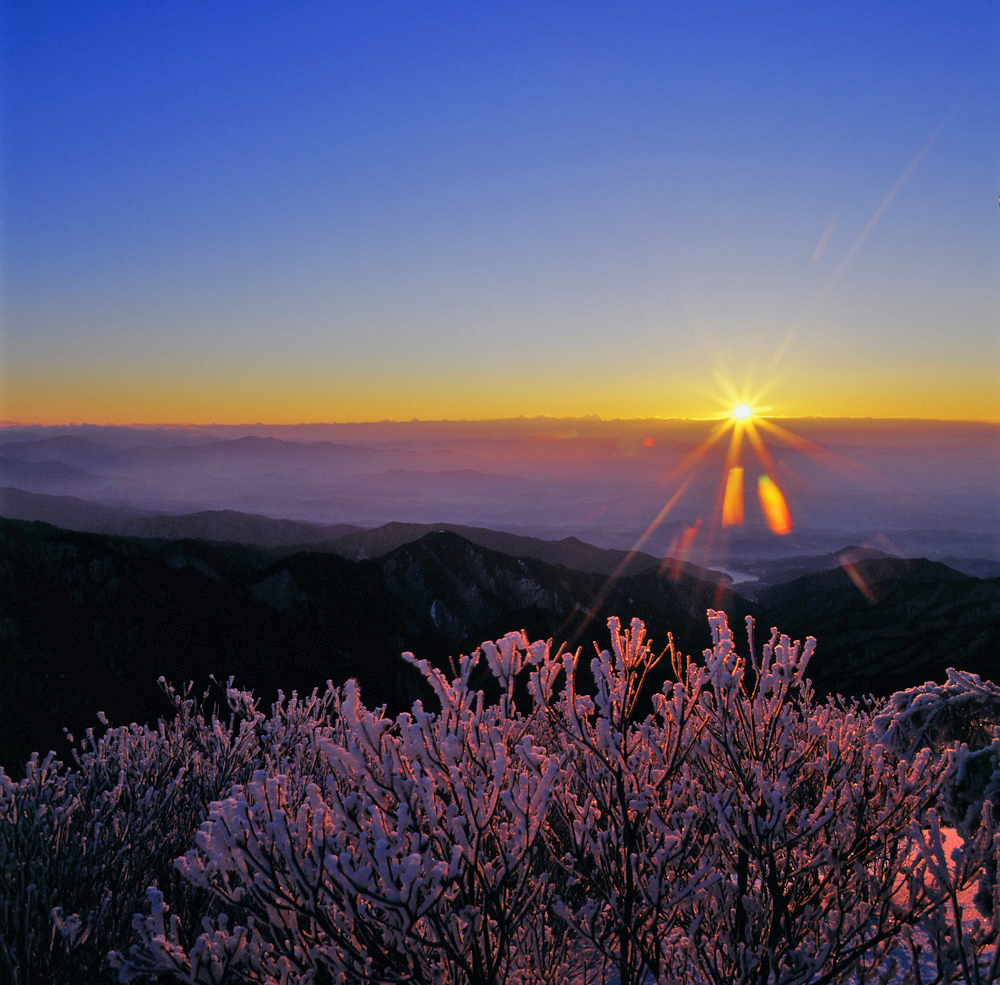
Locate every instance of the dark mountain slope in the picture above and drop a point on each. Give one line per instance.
(89, 622)
(910, 621)
(570, 551)
(448, 592)
(345, 539)
(980, 567)
(777, 571)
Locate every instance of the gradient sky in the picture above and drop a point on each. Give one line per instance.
(230, 212)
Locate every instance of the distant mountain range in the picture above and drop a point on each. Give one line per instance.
(913, 489)
(357, 543)
(226, 526)
(92, 455)
(230, 526)
(43, 473)
(88, 622)
(288, 536)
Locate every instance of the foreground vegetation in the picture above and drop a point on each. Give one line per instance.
(739, 831)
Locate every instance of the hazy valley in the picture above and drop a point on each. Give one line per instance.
(911, 488)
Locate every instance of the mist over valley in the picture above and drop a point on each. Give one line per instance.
(915, 488)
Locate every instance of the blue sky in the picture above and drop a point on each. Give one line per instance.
(221, 211)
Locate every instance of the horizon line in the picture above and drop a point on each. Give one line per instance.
(592, 418)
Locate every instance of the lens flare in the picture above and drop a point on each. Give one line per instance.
(732, 505)
(848, 560)
(728, 510)
(859, 582)
(583, 619)
(773, 504)
(679, 552)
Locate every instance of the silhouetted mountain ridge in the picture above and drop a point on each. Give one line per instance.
(569, 551)
(68, 512)
(232, 526)
(884, 624)
(292, 536)
(90, 621)
(227, 526)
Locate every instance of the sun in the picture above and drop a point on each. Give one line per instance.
(746, 422)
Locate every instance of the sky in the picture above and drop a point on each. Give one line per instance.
(244, 211)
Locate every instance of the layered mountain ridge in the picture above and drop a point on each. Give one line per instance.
(88, 622)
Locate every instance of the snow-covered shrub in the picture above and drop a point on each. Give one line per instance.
(626, 824)
(80, 842)
(958, 722)
(812, 825)
(965, 709)
(739, 831)
(409, 851)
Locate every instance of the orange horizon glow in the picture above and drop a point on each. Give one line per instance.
(289, 395)
(79, 420)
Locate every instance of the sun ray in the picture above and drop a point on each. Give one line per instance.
(599, 599)
(760, 449)
(693, 457)
(887, 201)
(847, 561)
(735, 444)
(679, 552)
(729, 391)
(744, 418)
(816, 452)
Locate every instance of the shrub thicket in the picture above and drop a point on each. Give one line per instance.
(740, 832)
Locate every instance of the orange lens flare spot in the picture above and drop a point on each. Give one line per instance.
(847, 561)
(732, 504)
(648, 442)
(772, 502)
(680, 551)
